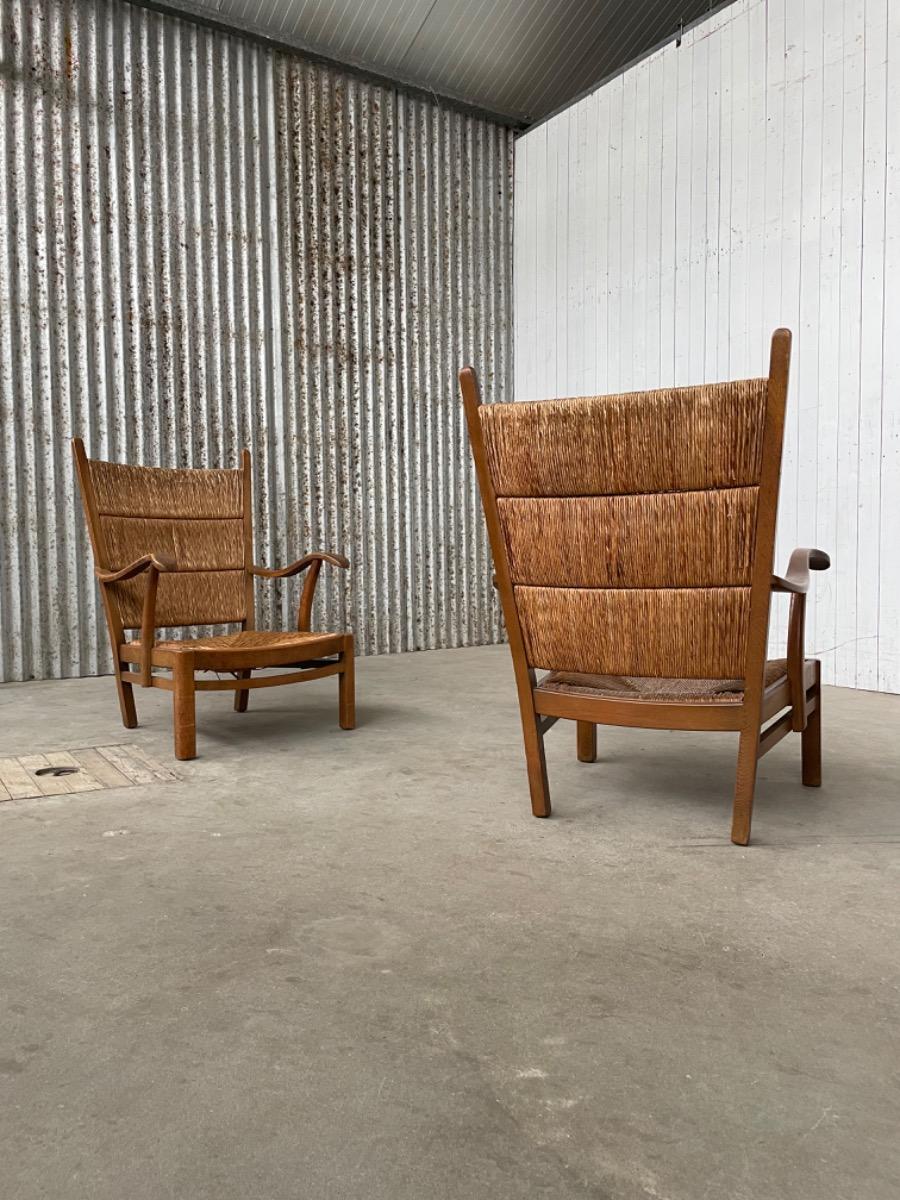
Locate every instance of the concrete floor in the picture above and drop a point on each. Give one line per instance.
(352, 965)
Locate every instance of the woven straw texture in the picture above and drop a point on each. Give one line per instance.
(127, 491)
(216, 651)
(207, 545)
(629, 527)
(667, 691)
(677, 439)
(185, 598)
(681, 539)
(193, 515)
(690, 633)
(249, 639)
(255, 639)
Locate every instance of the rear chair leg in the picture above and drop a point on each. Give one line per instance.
(242, 695)
(811, 738)
(587, 741)
(748, 756)
(126, 702)
(347, 688)
(184, 707)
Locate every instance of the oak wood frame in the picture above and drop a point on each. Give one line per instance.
(135, 662)
(756, 716)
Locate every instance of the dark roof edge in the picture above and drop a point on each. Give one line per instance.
(187, 11)
(595, 87)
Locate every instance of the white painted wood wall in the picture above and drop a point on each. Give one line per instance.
(666, 224)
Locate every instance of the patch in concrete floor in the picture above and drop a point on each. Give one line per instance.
(91, 769)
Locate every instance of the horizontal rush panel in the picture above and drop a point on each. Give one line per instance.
(671, 440)
(667, 539)
(124, 490)
(195, 545)
(689, 633)
(186, 598)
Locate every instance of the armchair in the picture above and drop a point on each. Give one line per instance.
(175, 548)
(632, 538)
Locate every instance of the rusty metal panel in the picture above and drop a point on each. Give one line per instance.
(205, 244)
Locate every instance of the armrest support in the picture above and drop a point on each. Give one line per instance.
(313, 563)
(796, 578)
(153, 564)
(796, 582)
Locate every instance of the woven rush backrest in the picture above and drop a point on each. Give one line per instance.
(629, 525)
(196, 517)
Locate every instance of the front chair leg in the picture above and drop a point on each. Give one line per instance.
(536, 763)
(347, 687)
(242, 695)
(184, 706)
(126, 701)
(811, 738)
(587, 741)
(745, 784)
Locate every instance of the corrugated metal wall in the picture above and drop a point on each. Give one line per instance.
(204, 245)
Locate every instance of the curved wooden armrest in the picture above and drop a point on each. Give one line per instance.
(317, 557)
(313, 562)
(159, 562)
(796, 578)
(155, 564)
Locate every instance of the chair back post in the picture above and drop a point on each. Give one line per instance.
(249, 621)
(525, 676)
(114, 623)
(764, 543)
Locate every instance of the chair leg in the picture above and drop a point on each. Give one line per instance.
(587, 741)
(811, 739)
(184, 707)
(744, 787)
(242, 695)
(126, 702)
(536, 763)
(347, 688)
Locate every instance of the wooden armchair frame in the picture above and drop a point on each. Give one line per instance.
(315, 655)
(758, 716)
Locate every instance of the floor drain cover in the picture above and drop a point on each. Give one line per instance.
(64, 772)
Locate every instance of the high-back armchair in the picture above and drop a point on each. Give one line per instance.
(633, 539)
(175, 548)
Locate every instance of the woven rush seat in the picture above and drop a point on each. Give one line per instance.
(296, 646)
(669, 691)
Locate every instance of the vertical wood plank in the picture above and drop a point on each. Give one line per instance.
(847, 490)
(889, 559)
(871, 355)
